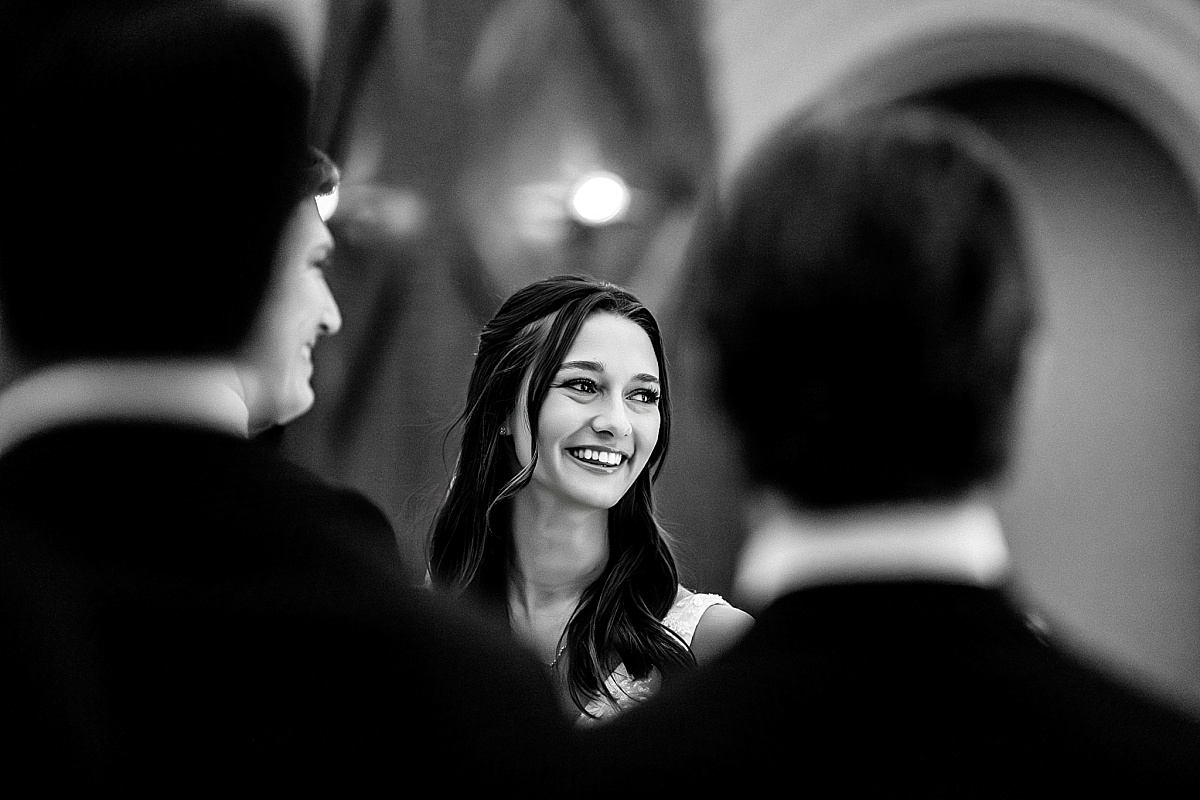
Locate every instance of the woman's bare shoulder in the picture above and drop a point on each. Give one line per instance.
(719, 628)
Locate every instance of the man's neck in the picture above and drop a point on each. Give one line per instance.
(789, 549)
(200, 392)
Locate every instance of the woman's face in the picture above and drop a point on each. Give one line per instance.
(600, 420)
(276, 368)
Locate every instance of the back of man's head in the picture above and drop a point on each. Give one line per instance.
(153, 153)
(868, 300)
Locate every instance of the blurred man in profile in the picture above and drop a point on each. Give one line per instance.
(180, 609)
(870, 306)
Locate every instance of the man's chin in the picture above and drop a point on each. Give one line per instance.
(285, 410)
(298, 407)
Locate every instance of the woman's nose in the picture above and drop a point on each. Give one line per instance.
(613, 418)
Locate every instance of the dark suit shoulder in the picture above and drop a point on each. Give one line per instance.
(179, 599)
(160, 489)
(931, 689)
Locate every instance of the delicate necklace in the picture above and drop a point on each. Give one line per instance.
(554, 663)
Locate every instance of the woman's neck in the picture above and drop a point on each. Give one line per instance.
(556, 555)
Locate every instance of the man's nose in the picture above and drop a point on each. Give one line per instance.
(331, 316)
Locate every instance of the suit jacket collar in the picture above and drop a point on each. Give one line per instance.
(958, 542)
(202, 394)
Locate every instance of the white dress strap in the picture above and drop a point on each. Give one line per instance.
(685, 614)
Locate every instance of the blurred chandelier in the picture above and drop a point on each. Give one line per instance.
(599, 198)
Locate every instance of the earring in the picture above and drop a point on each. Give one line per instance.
(503, 430)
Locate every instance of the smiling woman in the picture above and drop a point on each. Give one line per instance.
(599, 421)
(549, 522)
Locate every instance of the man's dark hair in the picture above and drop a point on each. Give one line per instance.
(154, 151)
(868, 299)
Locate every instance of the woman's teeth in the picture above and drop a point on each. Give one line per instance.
(602, 457)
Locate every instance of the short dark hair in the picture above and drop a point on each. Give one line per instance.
(868, 296)
(156, 152)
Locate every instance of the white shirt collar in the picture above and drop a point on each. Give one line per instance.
(202, 393)
(788, 549)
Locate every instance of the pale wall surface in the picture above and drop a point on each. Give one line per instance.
(772, 56)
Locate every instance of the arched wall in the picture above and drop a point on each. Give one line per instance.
(773, 57)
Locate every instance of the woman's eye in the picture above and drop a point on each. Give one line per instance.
(649, 396)
(580, 385)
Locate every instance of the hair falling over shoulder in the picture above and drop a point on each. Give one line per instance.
(619, 617)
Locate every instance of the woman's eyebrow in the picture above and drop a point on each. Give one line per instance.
(590, 366)
(596, 366)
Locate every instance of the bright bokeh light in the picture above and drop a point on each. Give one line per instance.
(599, 198)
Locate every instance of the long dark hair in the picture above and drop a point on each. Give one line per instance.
(470, 545)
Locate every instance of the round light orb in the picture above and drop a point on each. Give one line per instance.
(599, 198)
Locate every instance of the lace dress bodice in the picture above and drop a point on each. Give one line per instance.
(682, 618)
